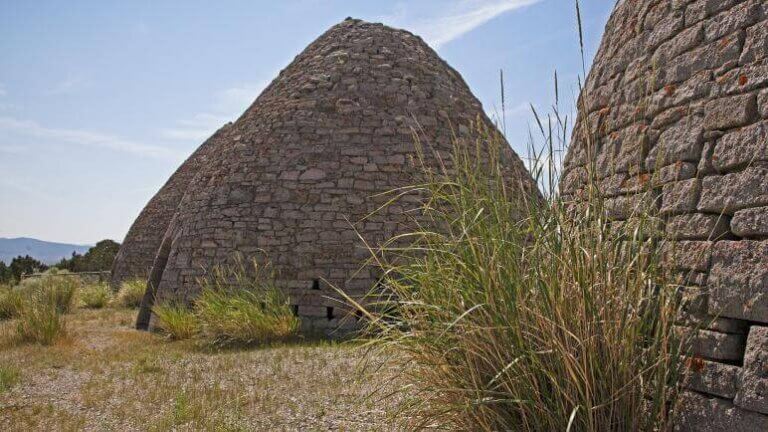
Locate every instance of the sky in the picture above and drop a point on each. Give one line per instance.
(101, 100)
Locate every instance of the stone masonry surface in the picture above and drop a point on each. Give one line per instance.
(297, 178)
(678, 93)
(137, 253)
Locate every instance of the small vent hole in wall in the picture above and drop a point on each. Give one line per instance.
(329, 312)
(316, 284)
(295, 309)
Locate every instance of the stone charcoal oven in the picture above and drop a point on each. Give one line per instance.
(301, 165)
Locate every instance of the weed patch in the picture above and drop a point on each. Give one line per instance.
(10, 302)
(131, 293)
(9, 377)
(40, 322)
(147, 365)
(178, 322)
(239, 306)
(53, 289)
(95, 296)
(243, 317)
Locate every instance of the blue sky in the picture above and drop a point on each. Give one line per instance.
(100, 101)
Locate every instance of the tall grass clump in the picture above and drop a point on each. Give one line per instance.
(40, 321)
(177, 321)
(10, 302)
(57, 290)
(131, 293)
(40, 305)
(240, 305)
(526, 314)
(95, 296)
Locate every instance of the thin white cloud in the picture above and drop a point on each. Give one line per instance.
(86, 138)
(521, 109)
(12, 149)
(28, 188)
(140, 28)
(197, 128)
(236, 99)
(67, 86)
(454, 20)
(227, 106)
(512, 112)
(4, 106)
(449, 23)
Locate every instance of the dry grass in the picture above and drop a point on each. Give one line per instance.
(107, 376)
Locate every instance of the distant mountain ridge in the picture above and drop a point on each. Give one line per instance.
(46, 252)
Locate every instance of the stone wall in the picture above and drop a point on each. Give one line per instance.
(678, 97)
(138, 250)
(302, 171)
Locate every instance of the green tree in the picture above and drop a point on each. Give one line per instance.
(101, 256)
(75, 261)
(25, 265)
(98, 258)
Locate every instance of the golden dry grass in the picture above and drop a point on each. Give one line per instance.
(106, 376)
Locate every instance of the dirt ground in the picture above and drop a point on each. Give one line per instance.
(106, 376)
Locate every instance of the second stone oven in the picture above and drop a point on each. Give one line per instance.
(298, 176)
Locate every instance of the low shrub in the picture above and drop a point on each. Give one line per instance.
(177, 321)
(95, 296)
(9, 376)
(239, 305)
(40, 321)
(131, 293)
